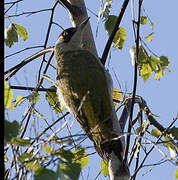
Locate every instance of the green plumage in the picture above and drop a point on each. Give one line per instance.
(84, 88)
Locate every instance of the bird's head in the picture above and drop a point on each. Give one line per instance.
(70, 39)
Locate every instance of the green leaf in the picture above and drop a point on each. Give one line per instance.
(158, 75)
(156, 133)
(145, 72)
(32, 165)
(66, 156)
(143, 20)
(18, 100)
(11, 35)
(119, 38)
(104, 168)
(7, 96)
(155, 64)
(71, 170)
(51, 97)
(20, 142)
(21, 31)
(142, 56)
(80, 157)
(176, 174)
(164, 61)
(33, 97)
(5, 158)
(110, 23)
(45, 174)
(53, 101)
(47, 149)
(23, 157)
(152, 23)
(149, 37)
(11, 129)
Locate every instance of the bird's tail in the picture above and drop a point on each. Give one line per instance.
(118, 170)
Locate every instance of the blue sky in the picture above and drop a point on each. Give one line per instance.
(161, 96)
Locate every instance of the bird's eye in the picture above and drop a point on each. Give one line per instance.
(65, 33)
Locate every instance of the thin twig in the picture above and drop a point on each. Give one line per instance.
(33, 47)
(135, 84)
(31, 88)
(16, 68)
(29, 13)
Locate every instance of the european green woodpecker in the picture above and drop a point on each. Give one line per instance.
(84, 89)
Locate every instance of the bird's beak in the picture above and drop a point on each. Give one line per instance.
(83, 24)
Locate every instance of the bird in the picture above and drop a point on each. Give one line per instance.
(85, 89)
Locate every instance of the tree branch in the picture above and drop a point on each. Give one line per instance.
(16, 68)
(135, 83)
(31, 88)
(111, 37)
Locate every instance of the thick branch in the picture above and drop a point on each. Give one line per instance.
(78, 13)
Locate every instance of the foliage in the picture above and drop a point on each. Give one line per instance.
(148, 64)
(12, 33)
(52, 151)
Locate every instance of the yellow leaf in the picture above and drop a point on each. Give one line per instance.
(149, 37)
(158, 75)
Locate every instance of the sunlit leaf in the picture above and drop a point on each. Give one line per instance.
(10, 35)
(47, 149)
(176, 174)
(119, 38)
(145, 72)
(5, 158)
(18, 100)
(152, 23)
(155, 64)
(51, 97)
(116, 95)
(45, 174)
(104, 168)
(143, 20)
(21, 31)
(11, 129)
(149, 37)
(32, 165)
(156, 133)
(80, 157)
(7, 96)
(53, 101)
(158, 75)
